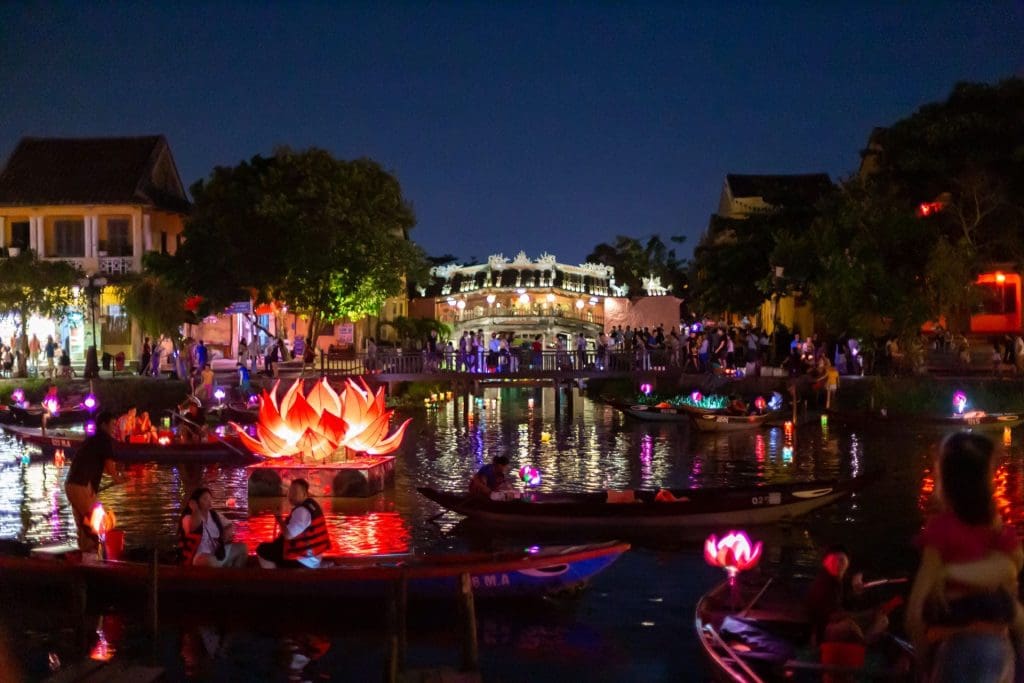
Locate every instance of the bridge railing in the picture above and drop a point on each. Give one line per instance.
(517, 361)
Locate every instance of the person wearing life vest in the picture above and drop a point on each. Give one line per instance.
(303, 539)
(205, 537)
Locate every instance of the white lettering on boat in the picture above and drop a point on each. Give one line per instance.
(491, 580)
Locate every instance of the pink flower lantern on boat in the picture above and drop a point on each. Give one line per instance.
(52, 405)
(696, 397)
(959, 402)
(18, 396)
(530, 475)
(89, 402)
(760, 404)
(733, 552)
(646, 388)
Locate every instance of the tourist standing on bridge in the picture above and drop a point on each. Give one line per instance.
(461, 363)
(581, 352)
(537, 348)
(602, 351)
(481, 351)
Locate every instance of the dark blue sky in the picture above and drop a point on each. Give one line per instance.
(511, 126)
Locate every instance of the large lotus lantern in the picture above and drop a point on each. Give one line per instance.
(323, 424)
(733, 552)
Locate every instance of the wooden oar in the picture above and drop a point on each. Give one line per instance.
(238, 452)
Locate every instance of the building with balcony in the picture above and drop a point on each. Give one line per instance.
(529, 297)
(99, 203)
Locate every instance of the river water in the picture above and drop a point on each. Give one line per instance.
(633, 624)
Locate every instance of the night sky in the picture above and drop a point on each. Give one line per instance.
(510, 126)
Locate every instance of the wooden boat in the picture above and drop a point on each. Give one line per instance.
(32, 416)
(633, 510)
(658, 413)
(529, 572)
(723, 422)
(975, 420)
(756, 630)
(222, 451)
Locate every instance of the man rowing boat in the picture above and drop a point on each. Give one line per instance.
(303, 539)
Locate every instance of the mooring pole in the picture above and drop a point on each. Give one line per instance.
(154, 593)
(470, 646)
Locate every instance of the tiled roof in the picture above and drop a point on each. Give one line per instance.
(781, 190)
(136, 170)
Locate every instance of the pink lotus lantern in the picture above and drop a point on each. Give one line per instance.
(18, 396)
(89, 402)
(696, 397)
(646, 389)
(323, 423)
(52, 405)
(959, 402)
(733, 553)
(760, 404)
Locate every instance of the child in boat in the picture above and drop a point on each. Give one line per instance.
(963, 607)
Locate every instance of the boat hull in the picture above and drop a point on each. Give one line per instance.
(548, 571)
(211, 452)
(703, 508)
(728, 423)
(986, 422)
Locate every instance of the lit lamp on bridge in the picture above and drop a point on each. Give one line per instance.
(92, 287)
(580, 305)
(490, 302)
(1001, 279)
(461, 306)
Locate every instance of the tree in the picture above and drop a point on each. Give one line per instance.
(635, 261)
(32, 286)
(156, 304)
(328, 237)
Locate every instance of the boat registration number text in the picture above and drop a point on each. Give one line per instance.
(768, 499)
(61, 443)
(491, 580)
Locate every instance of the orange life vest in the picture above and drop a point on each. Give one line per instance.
(314, 539)
(189, 542)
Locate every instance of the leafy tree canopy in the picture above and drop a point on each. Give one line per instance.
(33, 286)
(634, 261)
(325, 235)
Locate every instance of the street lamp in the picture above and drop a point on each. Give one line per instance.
(1001, 279)
(92, 286)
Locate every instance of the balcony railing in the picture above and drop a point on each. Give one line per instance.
(476, 313)
(116, 265)
(522, 362)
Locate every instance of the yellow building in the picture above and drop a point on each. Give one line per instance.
(100, 204)
(744, 196)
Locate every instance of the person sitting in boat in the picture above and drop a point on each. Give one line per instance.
(192, 428)
(52, 397)
(490, 478)
(125, 426)
(145, 432)
(830, 598)
(303, 539)
(737, 406)
(206, 538)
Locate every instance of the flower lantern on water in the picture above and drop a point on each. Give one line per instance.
(646, 389)
(323, 423)
(959, 402)
(733, 553)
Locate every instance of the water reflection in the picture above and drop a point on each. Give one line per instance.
(633, 621)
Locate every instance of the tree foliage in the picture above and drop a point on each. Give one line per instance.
(326, 236)
(156, 304)
(33, 286)
(635, 261)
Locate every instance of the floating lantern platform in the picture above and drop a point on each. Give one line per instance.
(356, 478)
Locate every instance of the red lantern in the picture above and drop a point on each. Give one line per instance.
(733, 552)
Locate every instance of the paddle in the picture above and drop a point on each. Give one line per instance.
(237, 451)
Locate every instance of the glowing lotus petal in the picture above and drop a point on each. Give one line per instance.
(314, 426)
(332, 426)
(323, 399)
(733, 553)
